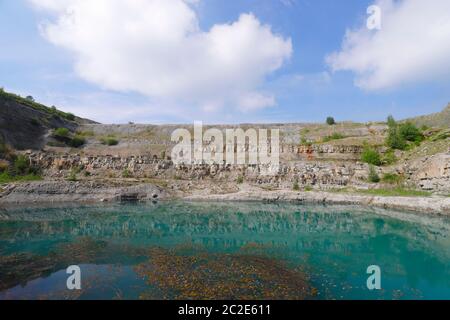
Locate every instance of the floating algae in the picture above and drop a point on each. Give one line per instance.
(221, 276)
(20, 268)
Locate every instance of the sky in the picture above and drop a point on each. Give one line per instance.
(234, 61)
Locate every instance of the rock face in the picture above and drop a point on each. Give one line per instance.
(314, 173)
(23, 127)
(431, 173)
(65, 191)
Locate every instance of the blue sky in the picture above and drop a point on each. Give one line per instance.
(42, 58)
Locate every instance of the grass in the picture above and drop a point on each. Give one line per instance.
(392, 178)
(5, 177)
(334, 136)
(395, 192)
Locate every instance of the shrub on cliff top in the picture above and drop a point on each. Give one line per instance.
(330, 121)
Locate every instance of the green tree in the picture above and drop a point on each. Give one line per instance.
(330, 121)
(394, 138)
(410, 132)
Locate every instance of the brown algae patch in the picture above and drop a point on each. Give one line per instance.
(20, 268)
(221, 276)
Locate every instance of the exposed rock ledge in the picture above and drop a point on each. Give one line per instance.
(64, 191)
(85, 192)
(428, 205)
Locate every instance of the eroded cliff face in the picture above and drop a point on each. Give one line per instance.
(430, 173)
(307, 170)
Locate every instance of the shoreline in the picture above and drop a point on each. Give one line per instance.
(434, 205)
(60, 192)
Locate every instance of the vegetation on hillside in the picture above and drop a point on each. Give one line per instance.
(30, 102)
(403, 135)
(109, 141)
(371, 156)
(334, 136)
(373, 175)
(439, 119)
(15, 167)
(63, 135)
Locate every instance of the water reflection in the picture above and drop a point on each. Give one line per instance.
(332, 246)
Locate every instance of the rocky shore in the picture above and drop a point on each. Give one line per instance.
(427, 205)
(97, 191)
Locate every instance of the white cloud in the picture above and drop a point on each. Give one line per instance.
(412, 46)
(255, 100)
(156, 48)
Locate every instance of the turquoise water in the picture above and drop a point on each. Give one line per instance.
(222, 250)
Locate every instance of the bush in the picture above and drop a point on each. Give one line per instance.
(308, 188)
(410, 132)
(77, 141)
(240, 180)
(61, 133)
(296, 186)
(391, 178)
(373, 175)
(21, 165)
(371, 156)
(70, 116)
(389, 157)
(110, 141)
(399, 135)
(330, 121)
(395, 140)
